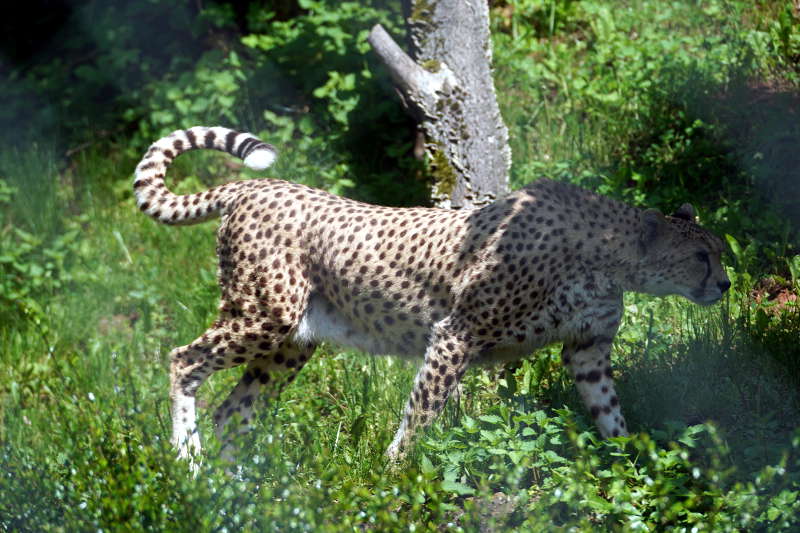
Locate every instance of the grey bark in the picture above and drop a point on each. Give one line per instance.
(449, 90)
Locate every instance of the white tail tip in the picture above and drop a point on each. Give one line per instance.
(260, 159)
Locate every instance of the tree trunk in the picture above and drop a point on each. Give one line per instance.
(449, 90)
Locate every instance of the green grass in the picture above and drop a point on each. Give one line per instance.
(93, 295)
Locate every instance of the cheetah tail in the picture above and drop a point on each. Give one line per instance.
(155, 199)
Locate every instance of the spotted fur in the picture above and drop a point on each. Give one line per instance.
(297, 266)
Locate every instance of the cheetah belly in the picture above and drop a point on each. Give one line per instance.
(322, 321)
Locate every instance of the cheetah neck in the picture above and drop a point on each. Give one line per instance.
(614, 256)
(596, 232)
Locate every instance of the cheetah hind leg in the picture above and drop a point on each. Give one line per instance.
(188, 369)
(190, 365)
(267, 373)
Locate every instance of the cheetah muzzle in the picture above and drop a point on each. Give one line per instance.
(297, 266)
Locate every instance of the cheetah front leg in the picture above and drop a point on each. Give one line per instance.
(590, 365)
(445, 362)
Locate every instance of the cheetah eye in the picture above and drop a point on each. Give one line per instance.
(702, 256)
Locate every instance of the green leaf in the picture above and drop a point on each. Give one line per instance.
(492, 419)
(427, 466)
(457, 487)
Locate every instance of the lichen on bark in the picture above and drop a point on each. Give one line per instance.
(443, 174)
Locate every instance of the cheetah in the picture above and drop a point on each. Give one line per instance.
(297, 266)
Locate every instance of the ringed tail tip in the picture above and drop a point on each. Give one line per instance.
(260, 158)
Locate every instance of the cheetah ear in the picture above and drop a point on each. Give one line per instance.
(685, 212)
(654, 225)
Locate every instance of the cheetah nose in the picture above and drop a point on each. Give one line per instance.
(724, 285)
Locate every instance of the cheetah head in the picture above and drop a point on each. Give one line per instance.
(677, 256)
